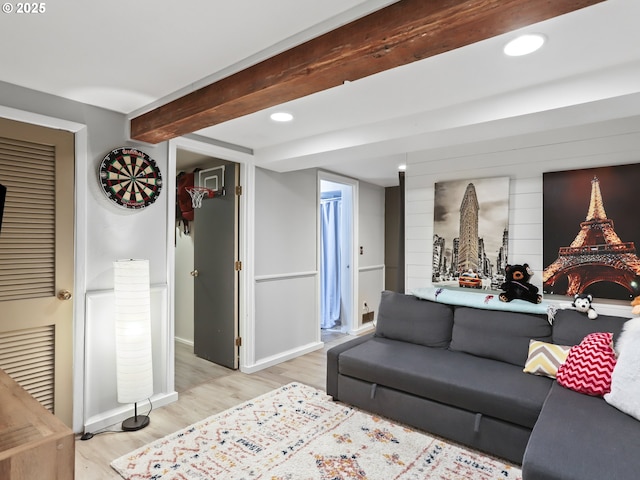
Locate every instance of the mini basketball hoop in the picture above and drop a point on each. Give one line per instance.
(198, 193)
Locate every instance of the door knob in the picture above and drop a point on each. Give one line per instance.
(64, 295)
(195, 273)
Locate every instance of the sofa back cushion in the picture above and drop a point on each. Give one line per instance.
(498, 335)
(570, 327)
(409, 319)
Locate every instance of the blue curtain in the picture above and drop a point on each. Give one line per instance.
(329, 262)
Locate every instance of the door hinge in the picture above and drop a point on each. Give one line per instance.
(238, 341)
(238, 189)
(237, 266)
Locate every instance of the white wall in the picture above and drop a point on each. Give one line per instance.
(100, 391)
(523, 159)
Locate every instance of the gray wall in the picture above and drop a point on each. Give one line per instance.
(371, 238)
(285, 264)
(391, 237)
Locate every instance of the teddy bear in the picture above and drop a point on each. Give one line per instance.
(582, 303)
(517, 286)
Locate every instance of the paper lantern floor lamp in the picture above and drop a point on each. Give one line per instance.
(134, 369)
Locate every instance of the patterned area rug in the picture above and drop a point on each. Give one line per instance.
(297, 433)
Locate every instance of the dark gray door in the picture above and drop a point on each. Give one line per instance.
(216, 283)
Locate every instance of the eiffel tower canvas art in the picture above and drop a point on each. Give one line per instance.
(601, 259)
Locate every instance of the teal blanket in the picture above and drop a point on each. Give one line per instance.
(487, 300)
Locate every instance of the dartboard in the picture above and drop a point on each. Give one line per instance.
(130, 178)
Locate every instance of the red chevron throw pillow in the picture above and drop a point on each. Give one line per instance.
(589, 365)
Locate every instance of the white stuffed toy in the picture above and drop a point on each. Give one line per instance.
(582, 303)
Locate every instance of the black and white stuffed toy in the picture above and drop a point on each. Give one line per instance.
(582, 303)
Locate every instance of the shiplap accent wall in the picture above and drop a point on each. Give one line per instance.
(524, 159)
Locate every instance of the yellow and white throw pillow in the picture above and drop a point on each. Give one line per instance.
(545, 358)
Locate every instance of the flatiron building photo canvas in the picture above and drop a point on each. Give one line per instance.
(471, 232)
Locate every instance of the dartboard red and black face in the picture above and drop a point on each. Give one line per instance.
(130, 178)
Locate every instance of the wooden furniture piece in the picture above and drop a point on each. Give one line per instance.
(34, 444)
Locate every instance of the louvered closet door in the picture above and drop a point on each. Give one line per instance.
(36, 262)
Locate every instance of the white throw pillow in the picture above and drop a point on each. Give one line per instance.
(625, 380)
(629, 325)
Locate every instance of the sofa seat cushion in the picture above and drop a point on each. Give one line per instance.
(476, 384)
(574, 431)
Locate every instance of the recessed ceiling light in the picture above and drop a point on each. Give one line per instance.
(524, 44)
(281, 117)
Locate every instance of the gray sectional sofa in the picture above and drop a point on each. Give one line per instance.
(457, 372)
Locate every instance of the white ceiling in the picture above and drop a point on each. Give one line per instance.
(133, 56)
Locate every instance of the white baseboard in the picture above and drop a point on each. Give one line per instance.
(364, 329)
(117, 415)
(184, 341)
(275, 359)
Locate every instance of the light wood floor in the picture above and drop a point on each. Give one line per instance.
(204, 389)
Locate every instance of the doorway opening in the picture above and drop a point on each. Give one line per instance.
(336, 257)
(206, 300)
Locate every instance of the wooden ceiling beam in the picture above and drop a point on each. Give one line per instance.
(399, 34)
